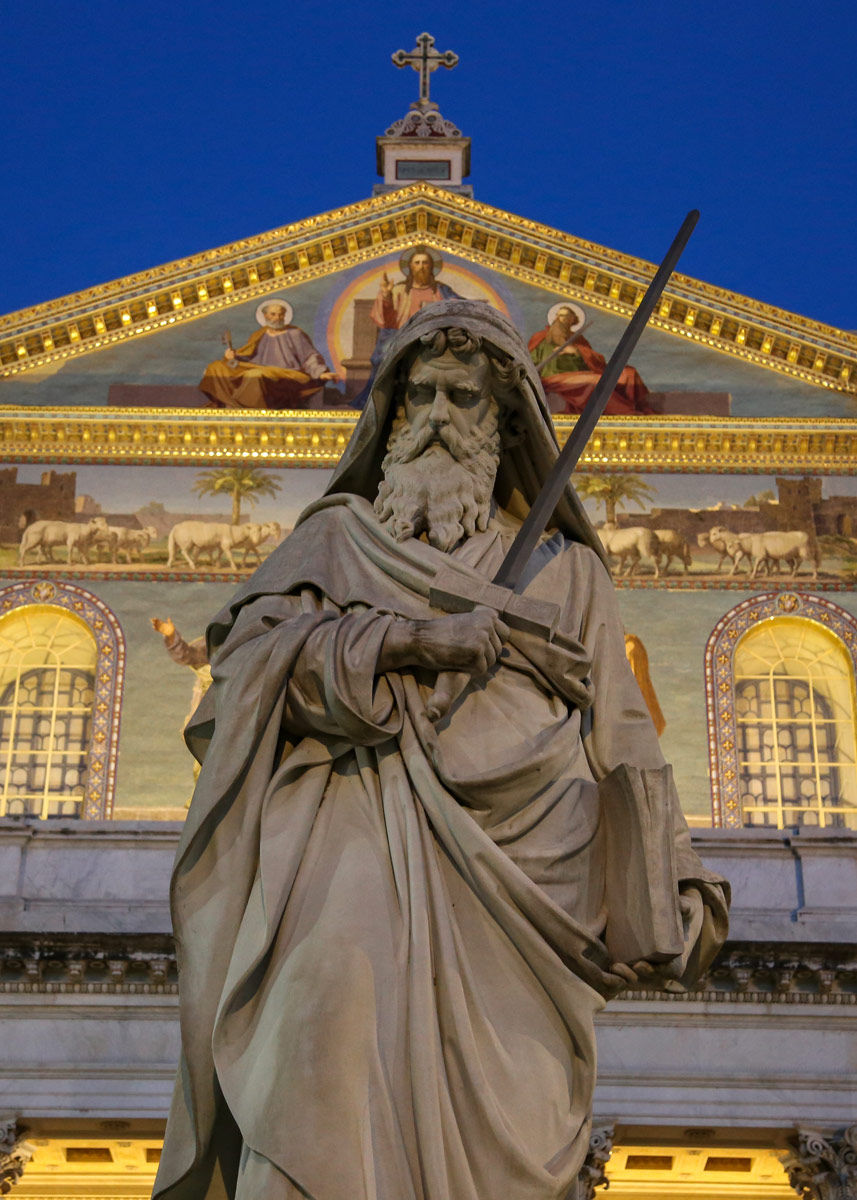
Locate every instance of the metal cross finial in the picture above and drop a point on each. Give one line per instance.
(425, 59)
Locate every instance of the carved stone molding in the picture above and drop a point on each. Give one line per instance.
(145, 964)
(591, 1174)
(759, 973)
(823, 1168)
(93, 965)
(420, 124)
(15, 1153)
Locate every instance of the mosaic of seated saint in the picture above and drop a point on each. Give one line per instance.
(278, 367)
(570, 368)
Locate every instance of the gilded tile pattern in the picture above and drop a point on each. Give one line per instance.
(317, 439)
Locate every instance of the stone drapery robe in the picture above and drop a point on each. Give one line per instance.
(274, 369)
(389, 934)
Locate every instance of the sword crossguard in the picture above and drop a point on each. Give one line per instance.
(454, 592)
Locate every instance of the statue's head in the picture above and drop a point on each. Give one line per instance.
(444, 445)
(456, 421)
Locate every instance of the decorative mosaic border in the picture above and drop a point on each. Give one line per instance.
(141, 304)
(109, 678)
(683, 445)
(93, 575)
(720, 690)
(666, 583)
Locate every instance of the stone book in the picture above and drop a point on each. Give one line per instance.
(641, 885)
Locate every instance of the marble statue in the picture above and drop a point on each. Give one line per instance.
(393, 932)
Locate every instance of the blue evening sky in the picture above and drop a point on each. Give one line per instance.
(134, 134)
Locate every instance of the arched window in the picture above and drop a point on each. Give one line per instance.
(780, 684)
(61, 666)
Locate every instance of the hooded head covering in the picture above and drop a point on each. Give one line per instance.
(524, 465)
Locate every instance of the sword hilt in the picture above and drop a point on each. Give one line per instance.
(453, 591)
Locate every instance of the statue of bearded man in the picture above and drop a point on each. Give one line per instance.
(391, 931)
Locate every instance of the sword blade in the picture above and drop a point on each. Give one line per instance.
(542, 509)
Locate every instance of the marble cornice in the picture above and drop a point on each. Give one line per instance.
(300, 438)
(143, 303)
(145, 964)
(773, 973)
(91, 964)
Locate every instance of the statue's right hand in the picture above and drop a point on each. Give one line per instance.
(229, 355)
(462, 642)
(386, 285)
(469, 642)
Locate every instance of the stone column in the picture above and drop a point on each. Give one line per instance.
(591, 1175)
(823, 1168)
(15, 1153)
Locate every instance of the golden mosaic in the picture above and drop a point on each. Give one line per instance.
(144, 303)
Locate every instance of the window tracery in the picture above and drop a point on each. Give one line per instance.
(61, 671)
(780, 689)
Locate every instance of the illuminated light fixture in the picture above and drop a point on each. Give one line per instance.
(818, 365)
(125, 316)
(176, 299)
(741, 336)
(151, 308)
(691, 316)
(47, 341)
(278, 267)
(100, 327)
(793, 353)
(665, 308)
(767, 344)
(21, 350)
(227, 283)
(253, 275)
(202, 292)
(74, 333)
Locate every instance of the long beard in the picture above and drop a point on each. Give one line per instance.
(438, 482)
(559, 333)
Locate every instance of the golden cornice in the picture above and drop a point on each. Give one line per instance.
(193, 287)
(316, 439)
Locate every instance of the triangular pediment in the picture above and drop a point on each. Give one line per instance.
(47, 335)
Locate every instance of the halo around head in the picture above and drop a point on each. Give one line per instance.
(405, 260)
(260, 311)
(580, 315)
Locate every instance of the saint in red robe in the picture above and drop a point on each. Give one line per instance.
(570, 377)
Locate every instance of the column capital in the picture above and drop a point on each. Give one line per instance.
(591, 1174)
(823, 1166)
(15, 1153)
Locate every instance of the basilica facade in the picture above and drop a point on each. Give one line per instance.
(159, 436)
